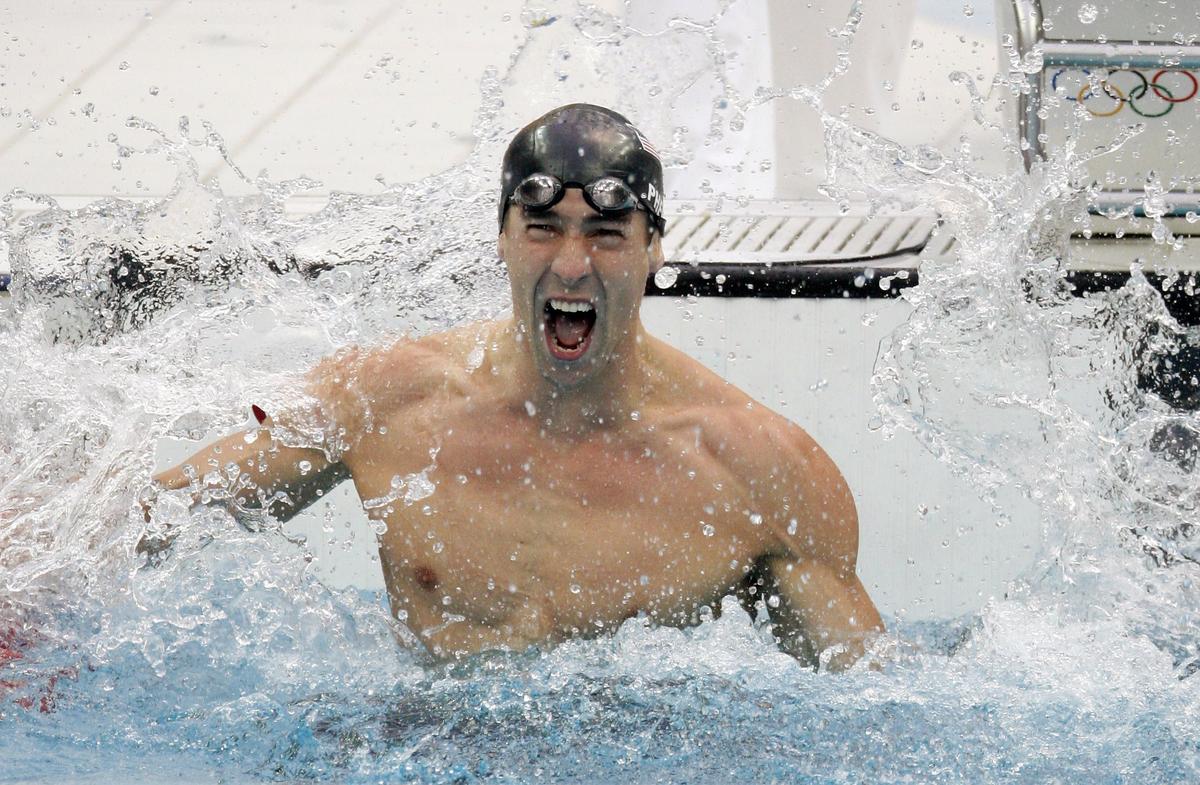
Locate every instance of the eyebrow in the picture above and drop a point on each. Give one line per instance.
(617, 220)
(589, 222)
(541, 215)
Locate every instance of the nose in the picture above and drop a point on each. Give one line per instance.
(573, 262)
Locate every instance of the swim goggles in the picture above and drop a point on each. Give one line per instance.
(608, 196)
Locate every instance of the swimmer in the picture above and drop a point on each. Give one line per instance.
(584, 472)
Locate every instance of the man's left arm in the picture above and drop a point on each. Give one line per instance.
(821, 612)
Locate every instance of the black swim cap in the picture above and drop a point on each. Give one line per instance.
(579, 143)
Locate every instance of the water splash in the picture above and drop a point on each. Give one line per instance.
(131, 322)
(1068, 386)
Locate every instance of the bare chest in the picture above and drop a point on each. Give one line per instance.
(492, 524)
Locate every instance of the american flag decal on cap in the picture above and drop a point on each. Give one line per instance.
(646, 143)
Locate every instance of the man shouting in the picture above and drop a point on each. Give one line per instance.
(575, 471)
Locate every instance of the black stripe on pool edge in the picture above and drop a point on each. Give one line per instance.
(1182, 299)
(782, 280)
(806, 280)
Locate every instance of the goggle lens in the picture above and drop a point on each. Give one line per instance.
(537, 191)
(610, 195)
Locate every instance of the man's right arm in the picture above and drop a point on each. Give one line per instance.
(256, 469)
(253, 470)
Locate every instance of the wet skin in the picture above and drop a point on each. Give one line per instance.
(572, 494)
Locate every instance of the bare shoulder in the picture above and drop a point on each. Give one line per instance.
(805, 498)
(359, 384)
(732, 424)
(786, 475)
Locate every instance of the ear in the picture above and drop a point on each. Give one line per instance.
(503, 241)
(655, 251)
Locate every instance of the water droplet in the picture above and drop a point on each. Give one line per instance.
(923, 509)
(124, 66)
(304, 466)
(575, 588)
(968, 10)
(530, 409)
(439, 546)
(708, 529)
(665, 277)
(1088, 13)
(793, 525)
(756, 519)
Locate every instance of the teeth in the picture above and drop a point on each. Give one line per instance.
(571, 306)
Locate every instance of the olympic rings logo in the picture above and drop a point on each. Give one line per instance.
(1154, 97)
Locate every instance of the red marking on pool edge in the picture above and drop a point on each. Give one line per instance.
(426, 578)
(11, 644)
(8, 646)
(259, 414)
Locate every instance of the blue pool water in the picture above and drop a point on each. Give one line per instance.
(714, 705)
(1006, 697)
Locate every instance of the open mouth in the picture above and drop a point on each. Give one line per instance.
(568, 326)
